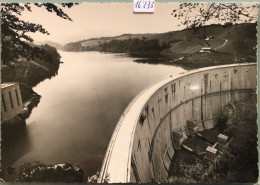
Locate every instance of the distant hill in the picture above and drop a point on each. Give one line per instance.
(50, 43)
(94, 42)
(223, 38)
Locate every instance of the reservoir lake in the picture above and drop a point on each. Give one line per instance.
(80, 107)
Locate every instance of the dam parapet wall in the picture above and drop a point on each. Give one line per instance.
(141, 147)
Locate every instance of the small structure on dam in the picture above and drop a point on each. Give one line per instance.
(11, 104)
(180, 112)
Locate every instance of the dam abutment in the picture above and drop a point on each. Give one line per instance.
(142, 145)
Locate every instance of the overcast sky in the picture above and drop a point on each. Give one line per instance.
(97, 20)
(102, 19)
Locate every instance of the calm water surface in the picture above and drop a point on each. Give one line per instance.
(80, 107)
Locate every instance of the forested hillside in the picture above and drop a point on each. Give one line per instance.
(238, 39)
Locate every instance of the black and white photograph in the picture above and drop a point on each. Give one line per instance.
(140, 91)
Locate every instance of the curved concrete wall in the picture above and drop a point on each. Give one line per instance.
(141, 148)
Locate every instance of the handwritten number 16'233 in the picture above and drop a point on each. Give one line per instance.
(144, 4)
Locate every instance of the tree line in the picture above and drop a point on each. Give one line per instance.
(134, 46)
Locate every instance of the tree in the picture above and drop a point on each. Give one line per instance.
(194, 15)
(38, 172)
(14, 31)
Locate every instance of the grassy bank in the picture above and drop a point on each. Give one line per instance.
(31, 71)
(198, 60)
(229, 43)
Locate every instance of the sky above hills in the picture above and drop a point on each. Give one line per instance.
(97, 20)
(92, 20)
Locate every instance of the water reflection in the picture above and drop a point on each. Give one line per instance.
(80, 107)
(152, 61)
(146, 55)
(15, 143)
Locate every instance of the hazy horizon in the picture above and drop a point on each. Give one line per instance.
(93, 20)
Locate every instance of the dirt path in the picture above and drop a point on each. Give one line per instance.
(222, 44)
(26, 71)
(32, 62)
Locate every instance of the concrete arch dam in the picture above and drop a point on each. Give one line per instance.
(142, 147)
